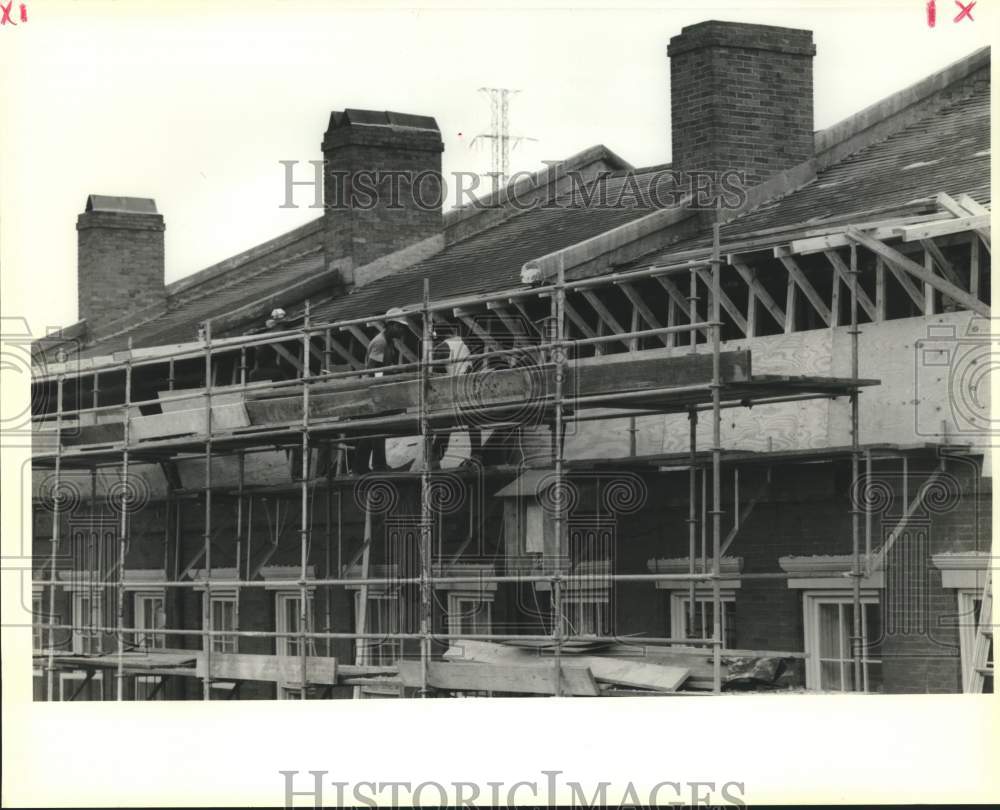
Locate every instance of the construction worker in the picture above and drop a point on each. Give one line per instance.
(383, 351)
(451, 356)
(266, 363)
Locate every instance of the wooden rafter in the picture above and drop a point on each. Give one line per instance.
(344, 352)
(514, 326)
(964, 206)
(946, 267)
(291, 358)
(749, 276)
(604, 313)
(466, 317)
(643, 309)
(896, 259)
(795, 274)
(678, 298)
(843, 273)
(573, 314)
(725, 301)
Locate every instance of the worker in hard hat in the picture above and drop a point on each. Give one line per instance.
(451, 356)
(383, 352)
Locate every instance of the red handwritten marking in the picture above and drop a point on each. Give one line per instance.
(24, 13)
(931, 13)
(966, 10)
(6, 13)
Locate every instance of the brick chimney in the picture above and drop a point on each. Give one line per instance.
(741, 98)
(119, 258)
(382, 184)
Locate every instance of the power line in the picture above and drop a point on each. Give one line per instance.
(501, 141)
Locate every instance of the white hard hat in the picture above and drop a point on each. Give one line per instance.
(396, 315)
(531, 275)
(277, 314)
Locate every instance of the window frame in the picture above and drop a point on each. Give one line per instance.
(223, 643)
(812, 601)
(146, 637)
(87, 641)
(483, 599)
(283, 644)
(679, 613)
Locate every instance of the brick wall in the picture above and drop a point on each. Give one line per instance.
(741, 98)
(119, 264)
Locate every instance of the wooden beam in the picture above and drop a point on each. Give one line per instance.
(843, 272)
(974, 267)
(516, 329)
(749, 276)
(928, 289)
(291, 358)
(342, 350)
(795, 272)
(679, 299)
(519, 306)
(973, 207)
(604, 313)
(947, 268)
(359, 335)
(894, 257)
(725, 301)
(274, 668)
(932, 230)
(488, 339)
(577, 318)
(642, 308)
(791, 293)
(879, 289)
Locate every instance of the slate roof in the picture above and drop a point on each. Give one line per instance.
(948, 150)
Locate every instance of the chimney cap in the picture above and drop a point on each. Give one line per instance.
(382, 118)
(121, 205)
(723, 34)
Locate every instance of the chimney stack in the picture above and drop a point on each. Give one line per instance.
(119, 258)
(382, 184)
(741, 99)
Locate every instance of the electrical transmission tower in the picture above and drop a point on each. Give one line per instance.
(501, 141)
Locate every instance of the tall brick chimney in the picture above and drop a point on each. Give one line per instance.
(119, 258)
(741, 98)
(379, 166)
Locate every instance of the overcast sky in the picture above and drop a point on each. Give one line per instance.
(195, 104)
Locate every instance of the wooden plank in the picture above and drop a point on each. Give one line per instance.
(274, 668)
(610, 376)
(177, 423)
(795, 272)
(894, 257)
(973, 207)
(623, 671)
(880, 299)
(531, 679)
(791, 295)
(844, 274)
(908, 286)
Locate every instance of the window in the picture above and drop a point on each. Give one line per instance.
(382, 616)
(704, 617)
(970, 606)
(829, 625)
(223, 618)
(77, 685)
(966, 573)
(86, 623)
(150, 614)
(147, 687)
(469, 614)
(288, 612)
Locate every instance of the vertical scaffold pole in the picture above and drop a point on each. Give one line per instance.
(856, 634)
(559, 352)
(304, 527)
(206, 605)
(426, 338)
(56, 521)
(123, 528)
(692, 519)
(716, 465)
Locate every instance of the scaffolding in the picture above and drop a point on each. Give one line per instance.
(552, 354)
